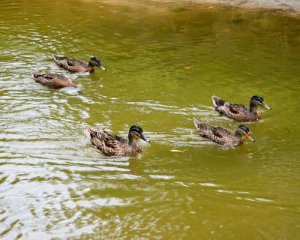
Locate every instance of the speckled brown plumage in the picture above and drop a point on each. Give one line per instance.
(55, 81)
(240, 112)
(221, 135)
(113, 145)
(77, 65)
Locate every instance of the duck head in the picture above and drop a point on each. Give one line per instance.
(96, 62)
(244, 131)
(258, 101)
(135, 134)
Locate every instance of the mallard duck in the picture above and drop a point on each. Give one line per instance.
(55, 81)
(76, 65)
(221, 135)
(113, 145)
(240, 112)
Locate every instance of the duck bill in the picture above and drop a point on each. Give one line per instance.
(144, 138)
(249, 137)
(266, 106)
(102, 68)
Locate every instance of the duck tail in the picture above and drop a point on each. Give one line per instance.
(90, 132)
(197, 123)
(58, 58)
(200, 126)
(35, 75)
(217, 101)
(38, 77)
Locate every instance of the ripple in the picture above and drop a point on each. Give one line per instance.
(164, 177)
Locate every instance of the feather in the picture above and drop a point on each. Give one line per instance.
(218, 135)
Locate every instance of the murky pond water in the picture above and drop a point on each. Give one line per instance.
(164, 62)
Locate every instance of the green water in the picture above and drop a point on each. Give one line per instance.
(164, 62)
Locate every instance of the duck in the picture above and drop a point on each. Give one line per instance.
(240, 112)
(223, 136)
(112, 145)
(55, 81)
(77, 65)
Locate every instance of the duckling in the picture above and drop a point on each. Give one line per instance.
(76, 65)
(221, 135)
(240, 112)
(113, 145)
(55, 81)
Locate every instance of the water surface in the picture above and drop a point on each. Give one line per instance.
(164, 62)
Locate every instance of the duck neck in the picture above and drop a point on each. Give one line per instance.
(134, 146)
(238, 138)
(253, 108)
(91, 67)
(132, 141)
(238, 134)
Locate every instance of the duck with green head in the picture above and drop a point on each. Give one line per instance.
(240, 112)
(223, 136)
(77, 65)
(113, 145)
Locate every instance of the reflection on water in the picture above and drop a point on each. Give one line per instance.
(163, 65)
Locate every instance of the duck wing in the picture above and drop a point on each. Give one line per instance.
(110, 139)
(75, 62)
(58, 77)
(237, 108)
(76, 65)
(108, 143)
(70, 64)
(222, 135)
(113, 144)
(216, 134)
(231, 110)
(53, 80)
(236, 111)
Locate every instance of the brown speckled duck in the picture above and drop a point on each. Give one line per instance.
(76, 65)
(55, 81)
(240, 112)
(221, 135)
(113, 145)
